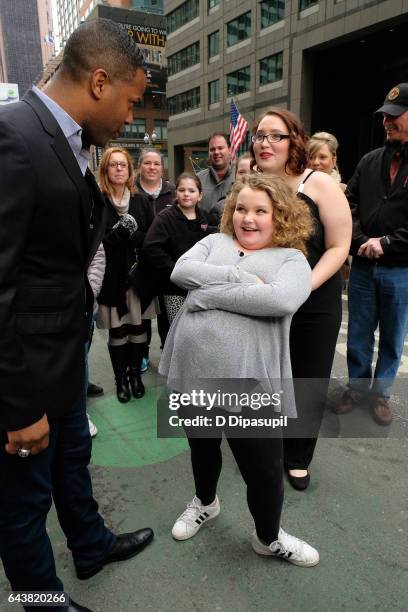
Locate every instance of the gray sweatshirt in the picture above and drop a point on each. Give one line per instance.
(232, 327)
(214, 190)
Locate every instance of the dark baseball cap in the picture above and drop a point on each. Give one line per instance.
(396, 101)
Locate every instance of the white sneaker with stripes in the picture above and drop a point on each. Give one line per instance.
(193, 517)
(289, 548)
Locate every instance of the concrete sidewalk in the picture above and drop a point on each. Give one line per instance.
(355, 513)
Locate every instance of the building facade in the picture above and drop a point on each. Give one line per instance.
(329, 61)
(87, 6)
(152, 6)
(149, 126)
(20, 44)
(68, 18)
(46, 30)
(148, 6)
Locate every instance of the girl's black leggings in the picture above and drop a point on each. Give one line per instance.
(260, 464)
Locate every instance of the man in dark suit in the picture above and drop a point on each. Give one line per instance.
(51, 223)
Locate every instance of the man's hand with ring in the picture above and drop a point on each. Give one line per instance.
(33, 438)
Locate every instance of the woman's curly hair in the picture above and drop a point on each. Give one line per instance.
(297, 158)
(292, 219)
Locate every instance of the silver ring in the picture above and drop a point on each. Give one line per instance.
(23, 453)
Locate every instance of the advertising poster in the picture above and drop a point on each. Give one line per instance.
(152, 40)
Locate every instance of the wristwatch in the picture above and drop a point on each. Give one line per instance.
(385, 242)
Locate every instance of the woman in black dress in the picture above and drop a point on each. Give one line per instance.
(279, 147)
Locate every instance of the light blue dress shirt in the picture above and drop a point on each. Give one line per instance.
(70, 128)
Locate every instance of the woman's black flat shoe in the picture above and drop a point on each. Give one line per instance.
(300, 483)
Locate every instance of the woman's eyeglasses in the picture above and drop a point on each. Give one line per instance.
(117, 164)
(271, 138)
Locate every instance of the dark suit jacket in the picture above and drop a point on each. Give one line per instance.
(45, 249)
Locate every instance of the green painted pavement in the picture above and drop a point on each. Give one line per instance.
(127, 432)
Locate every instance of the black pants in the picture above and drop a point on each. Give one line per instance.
(260, 464)
(313, 337)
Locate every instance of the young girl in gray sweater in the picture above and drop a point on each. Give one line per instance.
(233, 334)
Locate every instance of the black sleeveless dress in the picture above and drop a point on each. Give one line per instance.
(313, 337)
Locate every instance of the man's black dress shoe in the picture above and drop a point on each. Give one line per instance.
(127, 545)
(74, 607)
(300, 483)
(94, 390)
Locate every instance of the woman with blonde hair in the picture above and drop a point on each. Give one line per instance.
(129, 217)
(279, 147)
(322, 155)
(232, 333)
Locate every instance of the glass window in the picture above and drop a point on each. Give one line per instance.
(304, 4)
(159, 101)
(153, 6)
(214, 44)
(160, 127)
(182, 14)
(138, 128)
(181, 103)
(239, 81)
(239, 29)
(213, 91)
(271, 12)
(271, 69)
(184, 59)
(212, 3)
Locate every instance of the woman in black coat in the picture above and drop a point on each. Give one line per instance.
(129, 216)
(161, 195)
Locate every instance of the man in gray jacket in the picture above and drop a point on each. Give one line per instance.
(219, 176)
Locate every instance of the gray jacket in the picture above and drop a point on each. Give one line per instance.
(214, 190)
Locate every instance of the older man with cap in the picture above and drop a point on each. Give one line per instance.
(378, 286)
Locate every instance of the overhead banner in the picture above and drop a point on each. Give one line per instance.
(149, 31)
(152, 40)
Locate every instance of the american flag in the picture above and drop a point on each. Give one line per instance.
(238, 129)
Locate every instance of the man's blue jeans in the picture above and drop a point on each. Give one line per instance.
(377, 297)
(27, 488)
